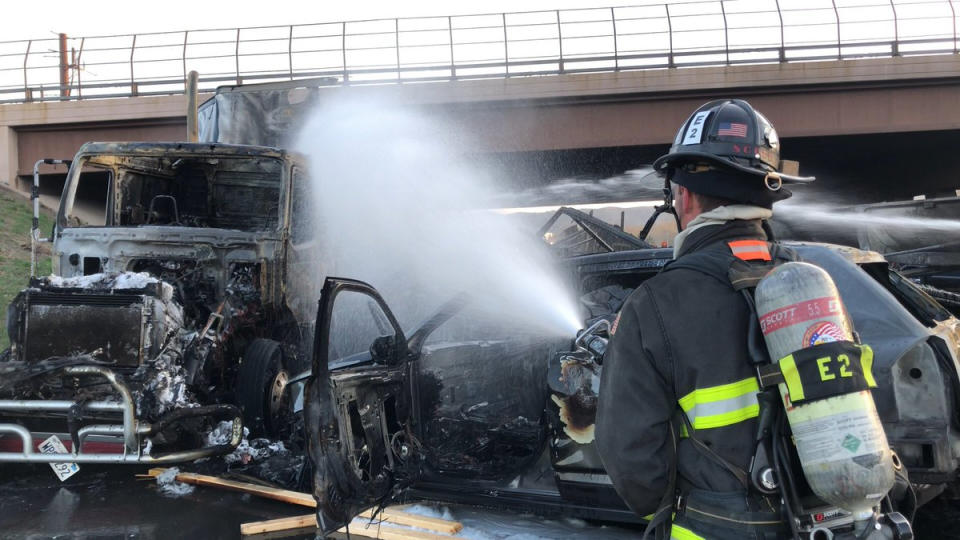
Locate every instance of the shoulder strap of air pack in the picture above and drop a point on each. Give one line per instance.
(739, 263)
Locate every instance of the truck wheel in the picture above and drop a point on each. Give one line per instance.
(261, 382)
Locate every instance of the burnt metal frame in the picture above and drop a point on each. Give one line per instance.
(35, 238)
(131, 430)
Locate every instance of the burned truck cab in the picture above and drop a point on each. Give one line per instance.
(169, 287)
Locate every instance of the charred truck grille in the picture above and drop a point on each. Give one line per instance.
(63, 324)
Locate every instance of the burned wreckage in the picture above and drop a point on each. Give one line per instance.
(183, 300)
(182, 303)
(169, 311)
(507, 422)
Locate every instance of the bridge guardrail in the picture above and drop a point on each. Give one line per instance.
(649, 36)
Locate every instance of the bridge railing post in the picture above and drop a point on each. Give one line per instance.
(396, 44)
(183, 56)
(895, 47)
(953, 18)
(616, 54)
(836, 13)
(236, 55)
(133, 80)
(83, 42)
(669, 35)
(27, 94)
(453, 62)
(726, 32)
(783, 46)
(290, 53)
(560, 40)
(506, 49)
(343, 51)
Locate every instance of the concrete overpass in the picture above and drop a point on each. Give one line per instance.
(564, 112)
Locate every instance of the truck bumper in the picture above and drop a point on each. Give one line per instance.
(129, 434)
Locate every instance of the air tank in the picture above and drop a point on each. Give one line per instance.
(841, 443)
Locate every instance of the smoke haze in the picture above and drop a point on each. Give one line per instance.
(397, 207)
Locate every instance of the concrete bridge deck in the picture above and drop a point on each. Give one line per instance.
(565, 111)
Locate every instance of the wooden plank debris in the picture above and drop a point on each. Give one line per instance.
(305, 499)
(358, 528)
(284, 495)
(377, 530)
(413, 520)
(281, 524)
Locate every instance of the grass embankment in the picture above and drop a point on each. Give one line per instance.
(16, 214)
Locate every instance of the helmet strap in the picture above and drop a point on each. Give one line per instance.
(668, 190)
(667, 207)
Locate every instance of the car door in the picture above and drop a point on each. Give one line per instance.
(358, 403)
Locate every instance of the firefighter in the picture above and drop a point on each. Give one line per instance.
(677, 413)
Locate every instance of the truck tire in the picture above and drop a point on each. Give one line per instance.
(260, 388)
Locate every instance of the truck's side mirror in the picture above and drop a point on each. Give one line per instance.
(35, 198)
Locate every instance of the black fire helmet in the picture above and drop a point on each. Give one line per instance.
(727, 149)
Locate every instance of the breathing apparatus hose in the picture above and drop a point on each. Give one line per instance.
(868, 529)
(913, 504)
(913, 498)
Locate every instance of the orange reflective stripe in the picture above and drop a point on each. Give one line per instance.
(750, 250)
(754, 256)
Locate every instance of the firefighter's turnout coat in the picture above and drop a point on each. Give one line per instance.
(679, 344)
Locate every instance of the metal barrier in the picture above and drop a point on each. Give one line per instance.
(650, 36)
(130, 431)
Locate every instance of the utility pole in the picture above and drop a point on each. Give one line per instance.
(64, 68)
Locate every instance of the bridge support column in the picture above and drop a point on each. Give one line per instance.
(8, 157)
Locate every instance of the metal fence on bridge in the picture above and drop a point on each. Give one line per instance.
(649, 36)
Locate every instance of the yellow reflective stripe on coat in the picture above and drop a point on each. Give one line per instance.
(724, 405)
(679, 533)
(676, 531)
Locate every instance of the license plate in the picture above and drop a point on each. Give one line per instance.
(53, 445)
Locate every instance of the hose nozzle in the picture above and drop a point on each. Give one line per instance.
(591, 342)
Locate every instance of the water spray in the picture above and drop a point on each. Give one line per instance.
(396, 202)
(822, 214)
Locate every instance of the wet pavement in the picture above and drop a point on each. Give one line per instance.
(111, 503)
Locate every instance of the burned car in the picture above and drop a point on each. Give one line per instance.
(921, 244)
(171, 307)
(509, 421)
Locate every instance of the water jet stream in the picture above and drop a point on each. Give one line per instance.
(396, 206)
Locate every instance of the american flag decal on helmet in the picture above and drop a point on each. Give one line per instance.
(731, 129)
